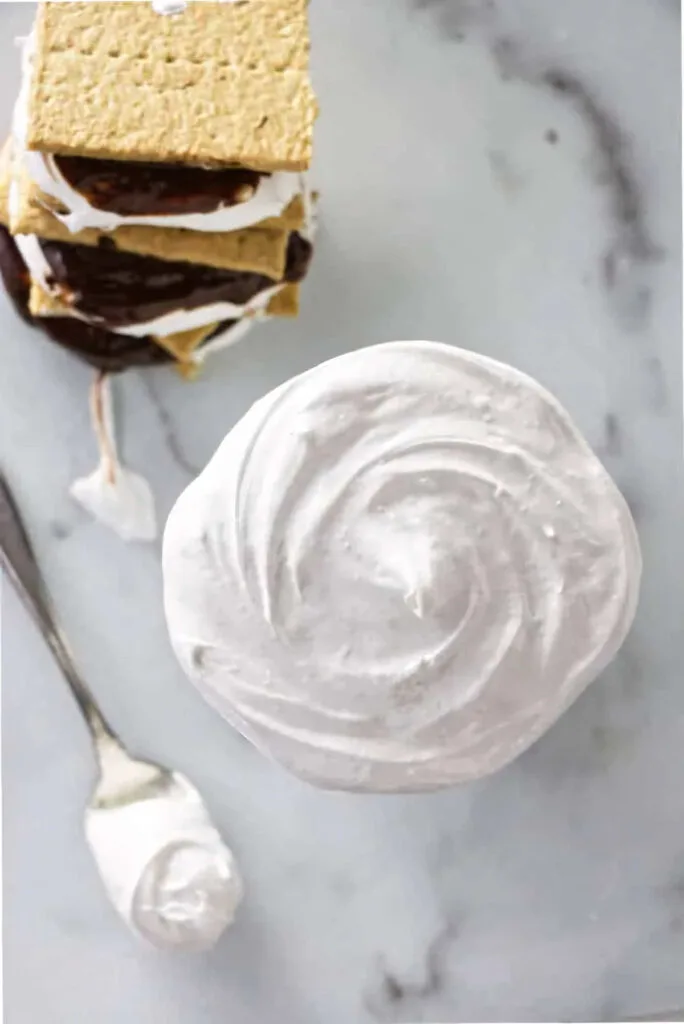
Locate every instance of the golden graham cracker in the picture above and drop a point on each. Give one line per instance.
(189, 370)
(219, 83)
(182, 345)
(292, 218)
(258, 250)
(42, 303)
(285, 302)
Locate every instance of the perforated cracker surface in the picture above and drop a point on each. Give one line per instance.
(219, 83)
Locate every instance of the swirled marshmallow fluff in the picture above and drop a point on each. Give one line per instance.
(399, 569)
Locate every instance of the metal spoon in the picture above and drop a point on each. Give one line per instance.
(128, 782)
(19, 563)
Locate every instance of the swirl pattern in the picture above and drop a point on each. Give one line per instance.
(399, 569)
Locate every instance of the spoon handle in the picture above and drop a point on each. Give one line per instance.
(20, 565)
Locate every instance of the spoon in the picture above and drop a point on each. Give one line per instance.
(163, 863)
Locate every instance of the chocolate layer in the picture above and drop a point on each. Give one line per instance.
(120, 288)
(15, 276)
(100, 348)
(136, 189)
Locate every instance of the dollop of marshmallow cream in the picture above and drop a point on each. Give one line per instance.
(166, 868)
(399, 569)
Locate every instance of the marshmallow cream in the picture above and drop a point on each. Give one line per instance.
(399, 569)
(165, 868)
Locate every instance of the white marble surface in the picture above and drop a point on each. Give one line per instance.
(500, 175)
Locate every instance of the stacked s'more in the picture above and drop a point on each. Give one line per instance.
(153, 193)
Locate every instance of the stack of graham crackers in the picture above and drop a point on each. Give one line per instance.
(153, 193)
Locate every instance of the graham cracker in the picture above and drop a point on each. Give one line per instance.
(182, 345)
(219, 83)
(285, 302)
(292, 218)
(42, 303)
(258, 250)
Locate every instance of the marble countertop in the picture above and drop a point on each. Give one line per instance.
(504, 176)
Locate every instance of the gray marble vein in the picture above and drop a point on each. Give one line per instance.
(632, 247)
(169, 432)
(631, 250)
(390, 998)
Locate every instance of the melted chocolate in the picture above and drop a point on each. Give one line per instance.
(15, 276)
(100, 348)
(121, 288)
(299, 253)
(134, 189)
